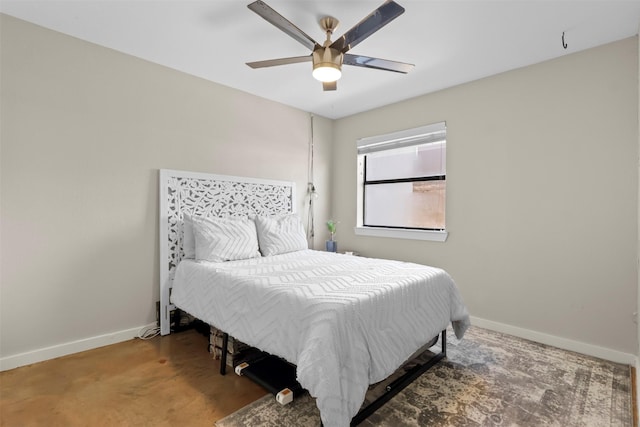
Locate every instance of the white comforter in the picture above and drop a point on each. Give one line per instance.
(344, 321)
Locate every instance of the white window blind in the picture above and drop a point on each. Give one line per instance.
(436, 132)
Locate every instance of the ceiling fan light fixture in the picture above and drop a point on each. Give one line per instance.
(327, 73)
(327, 59)
(327, 64)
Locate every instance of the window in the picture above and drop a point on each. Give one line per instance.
(402, 183)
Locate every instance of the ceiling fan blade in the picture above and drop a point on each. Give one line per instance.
(377, 63)
(369, 25)
(264, 10)
(279, 61)
(329, 85)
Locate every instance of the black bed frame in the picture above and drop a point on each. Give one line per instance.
(390, 390)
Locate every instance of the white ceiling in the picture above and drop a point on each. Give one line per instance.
(450, 42)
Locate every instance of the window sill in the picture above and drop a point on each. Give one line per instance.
(395, 233)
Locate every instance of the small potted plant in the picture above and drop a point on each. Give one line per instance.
(332, 245)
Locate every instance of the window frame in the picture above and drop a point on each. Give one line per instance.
(406, 138)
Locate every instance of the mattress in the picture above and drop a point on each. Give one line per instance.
(345, 321)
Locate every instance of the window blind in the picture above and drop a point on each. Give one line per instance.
(436, 132)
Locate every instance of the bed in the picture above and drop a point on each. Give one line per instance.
(344, 321)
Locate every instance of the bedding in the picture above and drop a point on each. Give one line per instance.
(188, 239)
(345, 321)
(280, 234)
(224, 239)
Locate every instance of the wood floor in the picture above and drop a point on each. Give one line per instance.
(168, 381)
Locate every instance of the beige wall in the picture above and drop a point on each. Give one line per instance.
(542, 194)
(84, 131)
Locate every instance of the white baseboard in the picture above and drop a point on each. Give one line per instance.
(552, 340)
(47, 353)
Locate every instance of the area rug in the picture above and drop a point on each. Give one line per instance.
(487, 379)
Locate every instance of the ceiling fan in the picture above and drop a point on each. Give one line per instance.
(328, 58)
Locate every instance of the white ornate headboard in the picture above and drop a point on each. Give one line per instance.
(208, 195)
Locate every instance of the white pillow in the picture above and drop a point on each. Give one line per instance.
(280, 234)
(188, 239)
(224, 239)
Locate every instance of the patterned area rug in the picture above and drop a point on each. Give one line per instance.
(487, 379)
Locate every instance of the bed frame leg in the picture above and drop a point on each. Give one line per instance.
(223, 359)
(444, 343)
